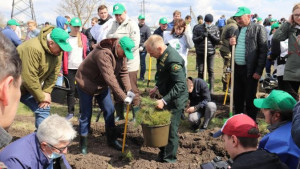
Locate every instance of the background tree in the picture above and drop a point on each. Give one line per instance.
(83, 9)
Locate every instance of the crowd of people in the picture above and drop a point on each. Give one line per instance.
(106, 58)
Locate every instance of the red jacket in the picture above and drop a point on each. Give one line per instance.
(66, 54)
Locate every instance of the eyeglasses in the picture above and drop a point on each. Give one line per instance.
(61, 150)
(296, 15)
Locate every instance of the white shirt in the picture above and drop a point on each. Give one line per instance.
(99, 32)
(76, 55)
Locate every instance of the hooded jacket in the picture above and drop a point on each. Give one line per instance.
(102, 69)
(60, 22)
(227, 30)
(39, 66)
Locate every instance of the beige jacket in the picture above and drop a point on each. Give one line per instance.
(131, 29)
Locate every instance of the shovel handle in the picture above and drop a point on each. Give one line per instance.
(125, 128)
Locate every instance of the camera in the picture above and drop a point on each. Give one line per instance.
(216, 163)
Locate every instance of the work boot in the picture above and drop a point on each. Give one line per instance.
(111, 135)
(224, 87)
(83, 144)
(119, 107)
(135, 109)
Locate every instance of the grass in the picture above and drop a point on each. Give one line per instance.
(216, 122)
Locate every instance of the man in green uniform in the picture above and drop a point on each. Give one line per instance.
(171, 84)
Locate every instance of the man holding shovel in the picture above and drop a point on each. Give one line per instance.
(171, 83)
(206, 37)
(250, 58)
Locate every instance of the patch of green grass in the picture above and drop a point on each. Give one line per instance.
(127, 156)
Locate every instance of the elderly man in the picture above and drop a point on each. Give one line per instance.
(99, 73)
(10, 82)
(41, 61)
(171, 84)
(44, 149)
(240, 135)
(250, 58)
(163, 25)
(9, 32)
(124, 26)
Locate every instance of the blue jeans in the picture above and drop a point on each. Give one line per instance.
(104, 102)
(40, 113)
(143, 64)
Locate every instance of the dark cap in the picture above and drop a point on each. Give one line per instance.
(208, 18)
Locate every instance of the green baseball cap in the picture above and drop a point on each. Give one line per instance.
(75, 22)
(242, 11)
(163, 20)
(277, 100)
(118, 9)
(61, 37)
(13, 22)
(127, 45)
(259, 19)
(142, 17)
(273, 20)
(274, 26)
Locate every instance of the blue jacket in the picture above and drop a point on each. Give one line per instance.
(26, 153)
(11, 35)
(296, 124)
(281, 143)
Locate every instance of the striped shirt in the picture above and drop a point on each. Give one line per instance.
(240, 49)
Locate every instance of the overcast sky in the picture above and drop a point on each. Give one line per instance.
(45, 9)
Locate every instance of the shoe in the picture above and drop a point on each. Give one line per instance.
(83, 144)
(116, 145)
(69, 116)
(111, 136)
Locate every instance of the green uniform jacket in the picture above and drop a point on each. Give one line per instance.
(292, 66)
(170, 76)
(39, 66)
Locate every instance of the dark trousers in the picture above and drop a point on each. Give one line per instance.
(133, 81)
(292, 88)
(71, 94)
(143, 64)
(244, 92)
(210, 68)
(168, 153)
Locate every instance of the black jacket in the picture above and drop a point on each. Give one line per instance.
(200, 95)
(212, 40)
(256, 44)
(259, 159)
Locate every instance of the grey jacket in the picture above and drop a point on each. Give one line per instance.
(292, 68)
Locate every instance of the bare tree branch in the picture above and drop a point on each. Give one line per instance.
(82, 9)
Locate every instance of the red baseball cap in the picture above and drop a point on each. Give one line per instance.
(240, 126)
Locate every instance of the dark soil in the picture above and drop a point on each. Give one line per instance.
(194, 148)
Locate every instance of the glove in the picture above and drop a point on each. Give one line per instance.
(141, 48)
(205, 34)
(129, 98)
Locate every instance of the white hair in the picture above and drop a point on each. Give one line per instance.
(55, 129)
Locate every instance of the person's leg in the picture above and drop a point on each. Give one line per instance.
(210, 70)
(143, 64)
(105, 102)
(240, 75)
(170, 150)
(251, 89)
(136, 101)
(210, 110)
(40, 113)
(226, 68)
(85, 103)
(71, 94)
(200, 63)
(268, 67)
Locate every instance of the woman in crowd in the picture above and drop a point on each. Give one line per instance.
(73, 59)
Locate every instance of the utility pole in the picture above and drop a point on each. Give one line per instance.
(142, 11)
(24, 7)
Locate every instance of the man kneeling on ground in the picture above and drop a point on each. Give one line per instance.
(200, 103)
